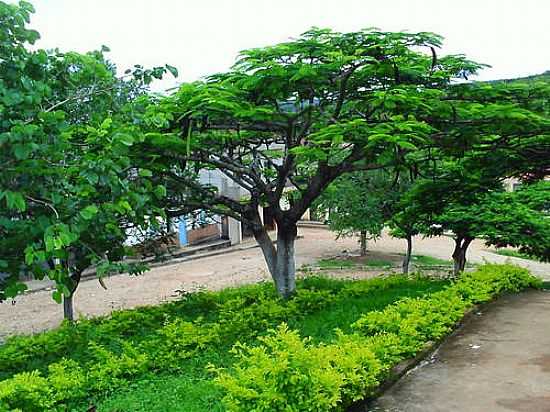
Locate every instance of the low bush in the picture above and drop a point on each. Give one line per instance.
(66, 368)
(28, 392)
(383, 321)
(285, 371)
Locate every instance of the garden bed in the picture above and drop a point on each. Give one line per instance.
(179, 356)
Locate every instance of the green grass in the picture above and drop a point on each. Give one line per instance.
(334, 263)
(321, 305)
(423, 260)
(419, 260)
(345, 263)
(179, 393)
(513, 253)
(378, 263)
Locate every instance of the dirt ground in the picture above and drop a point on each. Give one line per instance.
(37, 311)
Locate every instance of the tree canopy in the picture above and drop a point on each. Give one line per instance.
(298, 115)
(87, 154)
(70, 183)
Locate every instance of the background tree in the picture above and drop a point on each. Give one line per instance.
(467, 206)
(403, 224)
(300, 114)
(487, 132)
(361, 203)
(519, 219)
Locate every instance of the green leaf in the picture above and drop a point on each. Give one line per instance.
(125, 139)
(89, 212)
(29, 255)
(49, 242)
(406, 145)
(106, 124)
(14, 288)
(172, 70)
(15, 200)
(22, 151)
(145, 173)
(159, 191)
(57, 296)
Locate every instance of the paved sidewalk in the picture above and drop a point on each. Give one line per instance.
(498, 362)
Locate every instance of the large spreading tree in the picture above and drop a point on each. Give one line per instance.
(487, 133)
(297, 116)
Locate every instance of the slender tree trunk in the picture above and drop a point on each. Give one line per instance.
(285, 271)
(280, 260)
(408, 254)
(68, 308)
(363, 242)
(459, 254)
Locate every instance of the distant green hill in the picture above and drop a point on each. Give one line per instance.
(533, 78)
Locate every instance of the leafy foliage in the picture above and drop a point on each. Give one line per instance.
(70, 186)
(331, 376)
(79, 361)
(300, 114)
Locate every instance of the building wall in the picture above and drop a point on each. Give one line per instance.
(203, 233)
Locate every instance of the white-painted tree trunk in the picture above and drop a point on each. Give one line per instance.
(408, 255)
(363, 242)
(281, 260)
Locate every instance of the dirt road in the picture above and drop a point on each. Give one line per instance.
(37, 311)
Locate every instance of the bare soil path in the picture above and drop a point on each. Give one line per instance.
(499, 361)
(37, 311)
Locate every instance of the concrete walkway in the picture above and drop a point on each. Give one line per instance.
(498, 362)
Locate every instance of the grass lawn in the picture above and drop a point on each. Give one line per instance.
(378, 262)
(183, 383)
(513, 253)
(337, 263)
(422, 260)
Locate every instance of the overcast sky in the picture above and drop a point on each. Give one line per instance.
(201, 37)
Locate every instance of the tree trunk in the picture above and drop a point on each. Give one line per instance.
(68, 309)
(363, 242)
(280, 261)
(459, 254)
(407, 259)
(285, 270)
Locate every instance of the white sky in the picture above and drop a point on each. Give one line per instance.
(201, 37)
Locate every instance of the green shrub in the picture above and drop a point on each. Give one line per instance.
(416, 321)
(356, 361)
(490, 280)
(179, 340)
(282, 371)
(111, 370)
(28, 392)
(312, 300)
(67, 381)
(285, 372)
(59, 369)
